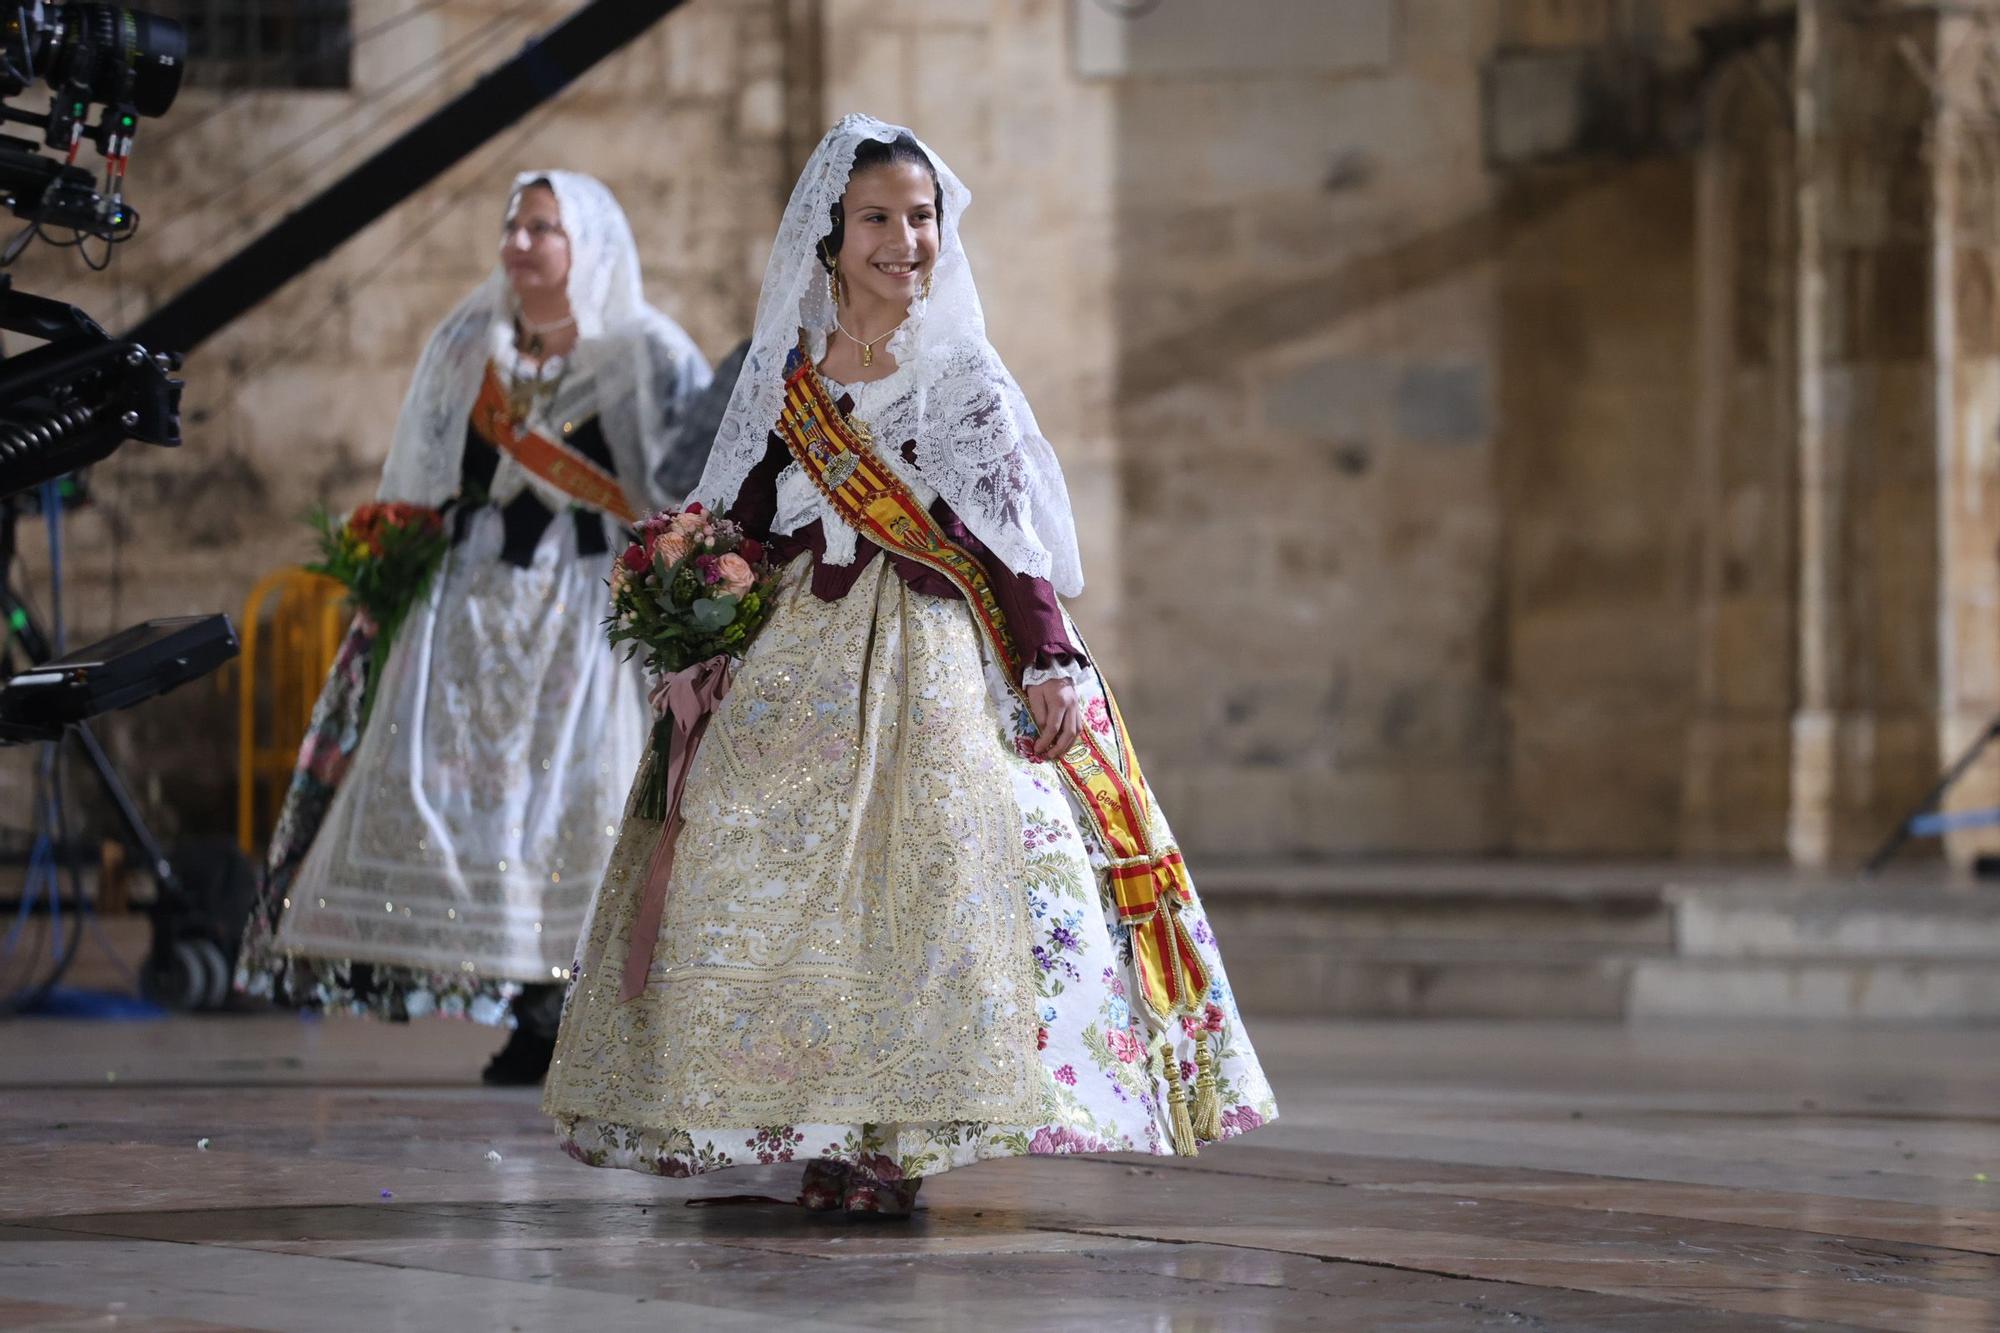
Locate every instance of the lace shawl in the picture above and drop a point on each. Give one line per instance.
(632, 365)
(977, 442)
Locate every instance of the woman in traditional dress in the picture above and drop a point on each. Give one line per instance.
(921, 910)
(440, 859)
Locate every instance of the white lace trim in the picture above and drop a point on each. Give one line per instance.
(976, 439)
(1068, 669)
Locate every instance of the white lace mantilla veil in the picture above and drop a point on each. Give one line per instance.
(632, 365)
(977, 442)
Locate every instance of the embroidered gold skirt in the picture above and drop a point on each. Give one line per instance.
(884, 938)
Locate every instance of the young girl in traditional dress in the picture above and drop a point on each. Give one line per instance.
(921, 910)
(441, 859)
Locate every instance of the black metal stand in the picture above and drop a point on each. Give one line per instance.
(1904, 830)
(30, 642)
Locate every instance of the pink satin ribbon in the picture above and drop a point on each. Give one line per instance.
(692, 697)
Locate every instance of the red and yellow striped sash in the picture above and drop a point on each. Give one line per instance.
(1149, 884)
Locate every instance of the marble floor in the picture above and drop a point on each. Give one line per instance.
(279, 1173)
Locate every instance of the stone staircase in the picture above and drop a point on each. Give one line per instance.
(1898, 951)
(1398, 939)
(1551, 940)
(1509, 939)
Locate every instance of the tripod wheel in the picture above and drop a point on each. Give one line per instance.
(203, 909)
(217, 888)
(215, 974)
(179, 981)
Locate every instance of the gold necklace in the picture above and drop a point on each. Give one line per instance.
(867, 346)
(523, 393)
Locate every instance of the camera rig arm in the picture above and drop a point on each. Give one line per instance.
(76, 398)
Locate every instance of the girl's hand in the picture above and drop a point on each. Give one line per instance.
(1053, 706)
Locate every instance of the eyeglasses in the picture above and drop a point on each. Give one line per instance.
(536, 227)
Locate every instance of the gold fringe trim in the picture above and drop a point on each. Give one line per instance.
(1207, 1118)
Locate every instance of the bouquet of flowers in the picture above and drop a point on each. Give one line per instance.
(689, 594)
(386, 554)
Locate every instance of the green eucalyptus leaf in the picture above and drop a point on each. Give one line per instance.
(713, 613)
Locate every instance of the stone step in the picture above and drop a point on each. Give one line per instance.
(1347, 905)
(1846, 988)
(1436, 939)
(1554, 940)
(1275, 984)
(1837, 922)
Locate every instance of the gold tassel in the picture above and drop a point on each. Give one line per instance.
(1177, 1106)
(1207, 1092)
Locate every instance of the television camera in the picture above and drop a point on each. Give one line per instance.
(70, 402)
(82, 393)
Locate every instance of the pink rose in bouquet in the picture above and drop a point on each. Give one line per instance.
(734, 575)
(671, 547)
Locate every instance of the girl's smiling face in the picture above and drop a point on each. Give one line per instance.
(889, 241)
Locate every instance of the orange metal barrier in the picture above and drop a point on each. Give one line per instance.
(287, 653)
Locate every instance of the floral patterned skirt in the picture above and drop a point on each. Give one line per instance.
(854, 963)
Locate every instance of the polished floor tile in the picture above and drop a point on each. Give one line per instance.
(278, 1173)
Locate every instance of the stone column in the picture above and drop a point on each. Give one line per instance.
(1737, 794)
(1965, 83)
(1849, 636)
(1871, 423)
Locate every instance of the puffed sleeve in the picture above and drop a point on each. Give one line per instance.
(756, 504)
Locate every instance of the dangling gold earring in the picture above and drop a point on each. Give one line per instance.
(833, 283)
(928, 278)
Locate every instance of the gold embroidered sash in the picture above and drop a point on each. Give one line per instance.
(565, 469)
(1149, 884)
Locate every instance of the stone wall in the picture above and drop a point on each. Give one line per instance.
(1306, 427)
(1416, 350)
(1595, 441)
(1866, 731)
(1848, 542)
(1597, 348)
(1440, 382)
